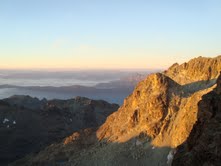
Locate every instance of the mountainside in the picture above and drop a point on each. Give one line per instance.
(162, 113)
(161, 108)
(28, 124)
(203, 147)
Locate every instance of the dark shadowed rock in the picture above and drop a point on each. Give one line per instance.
(25, 101)
(27, 124)
(203, 147)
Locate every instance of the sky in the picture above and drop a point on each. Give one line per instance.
(107, 34)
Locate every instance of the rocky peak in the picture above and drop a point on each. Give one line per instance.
(161, 108)
(143, 111)
(197, 69)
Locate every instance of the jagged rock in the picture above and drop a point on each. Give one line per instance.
(22, 101)
(158, 107)
(197, 69)
(203, 147)
(164, 109)
(143, 111)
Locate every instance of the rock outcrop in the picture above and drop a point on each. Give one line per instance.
(146, 110)
(197, 69)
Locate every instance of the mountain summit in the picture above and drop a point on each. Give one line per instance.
(197, 69)
(164, 105)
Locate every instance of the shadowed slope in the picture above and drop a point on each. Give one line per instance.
(203, 147)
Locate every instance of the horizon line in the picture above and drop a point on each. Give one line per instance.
(72, 69)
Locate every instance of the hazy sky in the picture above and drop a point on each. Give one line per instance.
(107, 33)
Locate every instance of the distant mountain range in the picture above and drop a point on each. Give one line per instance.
(114, 91)
(125, 82)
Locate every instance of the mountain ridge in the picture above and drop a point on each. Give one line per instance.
(29, 124)
(197, 69)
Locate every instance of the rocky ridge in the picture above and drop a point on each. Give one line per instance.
(162, 108)
(197, 69)
(28, 125)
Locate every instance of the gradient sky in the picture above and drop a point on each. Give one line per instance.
(107, 33)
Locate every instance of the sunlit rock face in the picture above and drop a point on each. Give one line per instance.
(164, 105)
(146, 110)
(197, 69)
